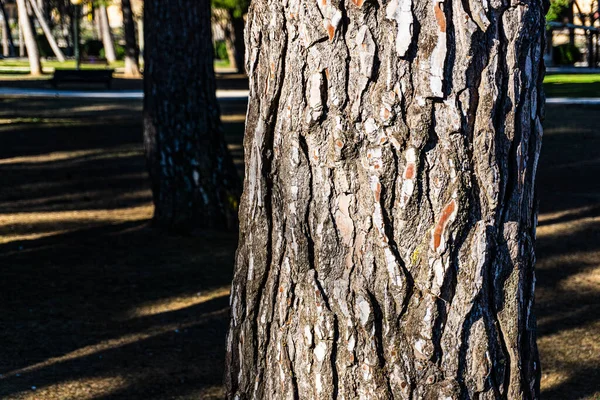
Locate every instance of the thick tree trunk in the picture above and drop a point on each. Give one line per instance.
(29, 38)
(194, 181)
(107, 37)
(47, 31)
(388, 217)
(8, 45)
(132, 52)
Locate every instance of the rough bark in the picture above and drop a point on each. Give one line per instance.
(194, 181)
(8, 45)
(107, 37)
(47, 31)
(388, 217)
(28, 34)
(132, 51)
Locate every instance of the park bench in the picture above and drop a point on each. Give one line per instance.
(104, 76)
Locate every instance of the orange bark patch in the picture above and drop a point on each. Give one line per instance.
(327, 73)
(442, 223)
(377, 192)
(440, 17)
(409, 172)
(330, 31)
(358, 3)
(339, 143)
(386, 113)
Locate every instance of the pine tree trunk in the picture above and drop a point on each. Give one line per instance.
(8, 46)
(47, 31)
(107, 36)
(97, 25)
(388, 219)
(33, 53)
(236, 38)
(194, 182)
(132, 52)
(223, 18)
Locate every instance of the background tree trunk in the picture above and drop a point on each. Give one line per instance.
(222, 18)
(107, 37)
(47, 31)
(388, 216)
(8, 45)
(132, 52)
(97, 25)
(21, 41)
(194, 182)
(236, 38)
(29, 38)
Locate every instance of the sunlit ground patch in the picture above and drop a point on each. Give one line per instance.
(65, 221)
(176, 303)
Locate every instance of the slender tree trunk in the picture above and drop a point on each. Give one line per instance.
(8, 45)
(29, 38)
(222, 17)
(236, 38)
(21, 41)
(47, 31)
(571, 20)
(194, 182)
(132, 51)
(388, 216)
(5, 33)
(97, 24)
(107, 36)
(231, 54)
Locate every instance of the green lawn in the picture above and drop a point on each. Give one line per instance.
(6, 64)
(572, 85)
(559, 85)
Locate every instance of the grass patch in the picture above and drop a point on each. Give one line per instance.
(572, 85)
(69, 64)
(221, 63)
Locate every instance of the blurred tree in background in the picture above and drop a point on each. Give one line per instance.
(229, 14)
(193, 178)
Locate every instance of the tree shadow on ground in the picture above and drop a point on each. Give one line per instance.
(568, 253)
(94, 300)
(97, 303)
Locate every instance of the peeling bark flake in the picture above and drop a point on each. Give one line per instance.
(447, 216)
(401, 12)
(438, 56)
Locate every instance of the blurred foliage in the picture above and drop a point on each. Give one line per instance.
(566, 54)
(119, 50)
(557, 9)
(221, 50)
(237, 7)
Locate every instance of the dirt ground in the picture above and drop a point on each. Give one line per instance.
(94, 304)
